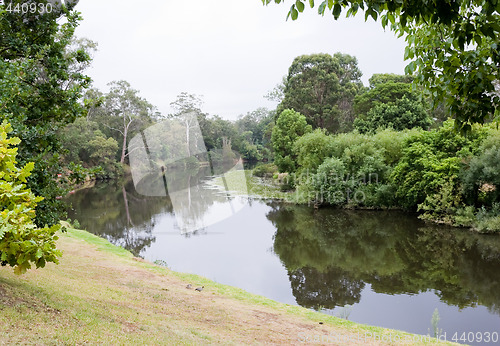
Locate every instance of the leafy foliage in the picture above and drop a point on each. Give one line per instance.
(322, 87)
(289, 126)
(481, 177)
(354, 169)
(85, 143)
(125, 113)
(250, 135)
(42, 81)
(312, 149)
(264, 170)
(430, 160)
(22, 242)
(453, 47)
(390, 101)
(399, 115)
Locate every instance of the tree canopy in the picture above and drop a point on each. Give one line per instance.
(390, 101)
(322, 88)
(42, 83)
(453, 48)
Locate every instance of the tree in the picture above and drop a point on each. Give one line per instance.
(453, 47)
(289, 126)
(322, 87)
(188, 110)
(430, 161)
(252, 139)
(41, 85)
(385, 88)
(391, 101)
(22, 242)
(186, 102)
(257, 123)
(399, 115)
(123, 113)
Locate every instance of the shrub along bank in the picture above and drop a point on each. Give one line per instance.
(445, 176)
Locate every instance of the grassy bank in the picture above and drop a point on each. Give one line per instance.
(101, 294)
(250, 185)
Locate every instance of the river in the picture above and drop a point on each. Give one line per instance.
(381, 268)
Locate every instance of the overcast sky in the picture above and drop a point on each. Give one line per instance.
(232, 52)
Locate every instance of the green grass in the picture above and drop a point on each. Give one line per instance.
(102, 294)
(255, 187)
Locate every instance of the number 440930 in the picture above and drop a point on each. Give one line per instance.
(27, 7)
(470, 337)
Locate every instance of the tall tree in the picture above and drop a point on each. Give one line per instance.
(398, 115)
(384, 88)
(390, 101)
(188, 110)
(322, 87)
(453, 47)
(42, 82)
(123, 112)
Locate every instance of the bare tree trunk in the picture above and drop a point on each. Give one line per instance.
(125, 199)
(124, 148)
(187, 138)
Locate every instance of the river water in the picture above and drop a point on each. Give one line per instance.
(380, 268)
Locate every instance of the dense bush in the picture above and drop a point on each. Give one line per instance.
(312, 149)
(85, 144)
(355, 171)
(430, 160)
(447, 177)
(263, 170)
(481, 176)
(290, 125)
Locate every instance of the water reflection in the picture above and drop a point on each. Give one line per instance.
(330, 255)
(119, 214)
(170, 158)
(324, 259)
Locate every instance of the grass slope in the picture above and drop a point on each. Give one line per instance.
(101, 294)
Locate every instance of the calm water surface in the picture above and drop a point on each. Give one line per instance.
(380, 268)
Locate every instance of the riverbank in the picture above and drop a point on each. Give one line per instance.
(267, 189)
(101, 294)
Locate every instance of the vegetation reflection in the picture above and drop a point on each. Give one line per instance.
(331, 254)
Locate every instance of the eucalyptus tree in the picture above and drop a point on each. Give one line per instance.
(121, 112)
(322, 87)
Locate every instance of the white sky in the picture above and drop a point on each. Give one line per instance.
(232, 52)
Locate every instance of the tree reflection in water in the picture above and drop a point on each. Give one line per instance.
(127, 218)
(330, 255)
(119, 214)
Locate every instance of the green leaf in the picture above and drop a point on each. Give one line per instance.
(384, 21)
(322, 7)
(390, 16)
(337, 9)
(300, 6)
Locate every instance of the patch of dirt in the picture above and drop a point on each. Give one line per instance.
(10, 298)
